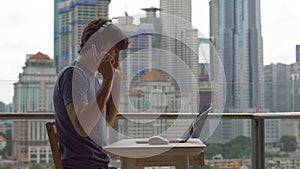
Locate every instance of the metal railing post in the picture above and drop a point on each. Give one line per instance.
(258, 143)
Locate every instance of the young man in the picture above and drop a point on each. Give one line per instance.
(82, 105)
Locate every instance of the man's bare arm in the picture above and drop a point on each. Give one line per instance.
(85, 115)
(75, 122)
(113, 103)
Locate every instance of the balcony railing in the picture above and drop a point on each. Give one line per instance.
(257, 120)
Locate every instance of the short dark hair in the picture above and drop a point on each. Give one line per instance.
(120, 40)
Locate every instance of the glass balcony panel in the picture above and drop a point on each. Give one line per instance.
(282, 143)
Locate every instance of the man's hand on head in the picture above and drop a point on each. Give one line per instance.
(105, 66)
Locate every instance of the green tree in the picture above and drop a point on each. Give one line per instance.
(227, 153)
(36, 166)
(288, 143)
(237, 150)
(212, 150)
(239, 147)
(8, 148)
(276, 154)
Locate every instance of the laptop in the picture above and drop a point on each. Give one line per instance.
(198, 123)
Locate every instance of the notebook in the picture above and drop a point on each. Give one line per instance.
(197, 123)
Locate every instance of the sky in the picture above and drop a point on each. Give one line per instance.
(27, 28)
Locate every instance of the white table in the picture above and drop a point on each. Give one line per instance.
(181, 155)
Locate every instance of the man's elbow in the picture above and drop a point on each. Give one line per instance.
(111, 118)
(111, 123)
(82, 133)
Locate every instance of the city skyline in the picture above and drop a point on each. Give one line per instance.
(34, 31)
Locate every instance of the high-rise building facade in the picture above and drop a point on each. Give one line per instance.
(235, 30)
(278, 87)
(152, 18)
(2, 107)
(290, 127)
(73, 15)
(178, 34)
(277, 98)
(297, 53)
(33, 93)
(178, 8)
(56, 33)
(295, 90)
(180, 42)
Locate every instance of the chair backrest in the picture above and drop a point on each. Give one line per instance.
(54, 144)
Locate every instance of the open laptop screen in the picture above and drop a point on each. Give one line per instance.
(198, 123)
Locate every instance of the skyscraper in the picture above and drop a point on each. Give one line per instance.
(235, 32)
(151, 17)
(33, 93)
(235, 29)
(2, 107)
(56, 32)
(180, 41)
(73, 15)
(179, 8)
(297, 53)
(278, 87)
(295, 77)
(179, 36)
(277, 99)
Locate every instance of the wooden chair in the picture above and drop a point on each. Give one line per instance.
(54, 144)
